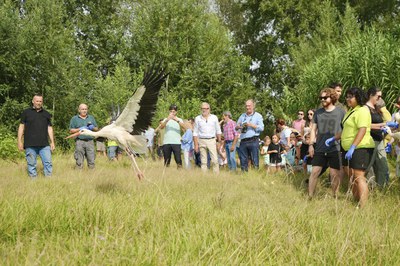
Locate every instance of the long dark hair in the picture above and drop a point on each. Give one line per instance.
(308, 120)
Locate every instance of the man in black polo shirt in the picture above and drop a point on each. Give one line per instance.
(36, 129)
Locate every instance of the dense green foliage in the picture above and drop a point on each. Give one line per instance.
(222, 52)
(96, 51)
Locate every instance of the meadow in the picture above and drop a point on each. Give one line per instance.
(177, 217)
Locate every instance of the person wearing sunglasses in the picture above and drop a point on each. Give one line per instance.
(306, 129)
(357, 143)
(324, 147)
(299, 123)
(378, 162)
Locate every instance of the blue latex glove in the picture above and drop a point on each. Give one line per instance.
(392, 124)
(90, 127)
(81, 128)
(329, 141)
(384, 130)
(388, 148)
(350, 152)
(305, 158)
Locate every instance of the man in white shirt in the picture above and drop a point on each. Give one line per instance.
(206, 130)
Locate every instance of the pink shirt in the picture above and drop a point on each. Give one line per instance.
(297, 124)
(229, 130)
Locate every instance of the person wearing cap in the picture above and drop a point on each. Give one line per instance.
(206, 130)
(251, 125)
(172, 136)
(231, 137)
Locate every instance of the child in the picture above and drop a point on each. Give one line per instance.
(264, 151)
(307, 160)
(274, 151)
(222, 160)
(187, 145)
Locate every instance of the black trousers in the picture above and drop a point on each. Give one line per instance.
(168, 149)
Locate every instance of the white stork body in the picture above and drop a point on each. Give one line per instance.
(135, 118)
(112, 132)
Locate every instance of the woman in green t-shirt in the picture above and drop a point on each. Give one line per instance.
(357, 142)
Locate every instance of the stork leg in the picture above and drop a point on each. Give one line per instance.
(139, 173)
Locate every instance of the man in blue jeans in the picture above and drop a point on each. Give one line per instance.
(34, 133)
(251, 125)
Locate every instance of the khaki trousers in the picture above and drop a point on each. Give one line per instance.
(211, 146)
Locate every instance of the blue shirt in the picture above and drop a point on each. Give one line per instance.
(187, 140)
(254, 118)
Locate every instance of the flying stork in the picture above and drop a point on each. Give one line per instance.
(135, 118)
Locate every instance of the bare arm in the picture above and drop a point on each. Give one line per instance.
(313, 134)
(21, 130)
(51, 137)
(196, 143)
(360, 134)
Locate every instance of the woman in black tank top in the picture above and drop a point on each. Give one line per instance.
(379, 161)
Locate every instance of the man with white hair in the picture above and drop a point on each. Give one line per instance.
(251, 125)
(206, 130)
(84, 145)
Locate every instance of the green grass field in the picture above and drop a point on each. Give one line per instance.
(107, 217)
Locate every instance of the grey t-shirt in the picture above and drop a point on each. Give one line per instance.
(328, 125)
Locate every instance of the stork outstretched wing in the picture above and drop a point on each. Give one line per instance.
(139, 111)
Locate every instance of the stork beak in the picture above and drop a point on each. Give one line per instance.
(74, 135)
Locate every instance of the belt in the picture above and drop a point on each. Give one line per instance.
(85, 140)
(207, 138)
(228, 141)
(250, 139)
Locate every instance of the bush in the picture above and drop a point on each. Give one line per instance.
(8, 146)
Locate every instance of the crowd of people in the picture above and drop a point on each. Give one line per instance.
(351, 141)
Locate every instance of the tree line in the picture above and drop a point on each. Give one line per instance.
(281, 53)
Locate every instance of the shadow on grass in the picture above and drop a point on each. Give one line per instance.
(109, 188)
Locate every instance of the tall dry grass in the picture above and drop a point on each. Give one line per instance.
(107, 217)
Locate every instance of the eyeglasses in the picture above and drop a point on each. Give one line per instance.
(300, 114)
(204, 108)
(323, 98)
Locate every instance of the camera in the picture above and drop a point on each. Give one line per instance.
(244, 127)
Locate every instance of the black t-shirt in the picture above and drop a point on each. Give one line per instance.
(36, 127)
(275, 157)
(376, 118)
